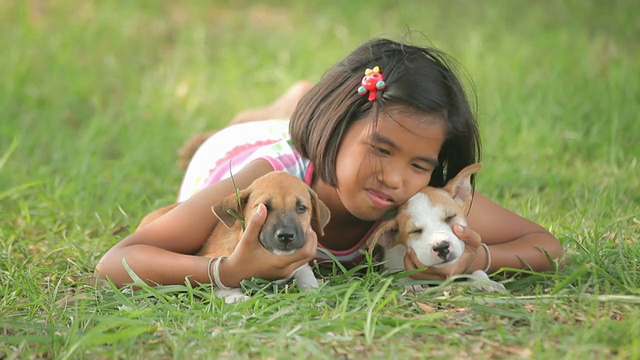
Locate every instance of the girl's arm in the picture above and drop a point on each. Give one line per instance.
(162, 251)
(514, 242)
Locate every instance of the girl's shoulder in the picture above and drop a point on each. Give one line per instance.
(282, 156)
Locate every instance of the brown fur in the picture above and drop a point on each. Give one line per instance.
(291, 207)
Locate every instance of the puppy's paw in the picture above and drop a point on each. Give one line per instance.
(232, 296)
(305, 279)
(408, 287)
(236, 298)
(481, 282)
(413, 288)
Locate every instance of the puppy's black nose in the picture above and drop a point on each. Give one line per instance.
(285, 235)
(442, 249)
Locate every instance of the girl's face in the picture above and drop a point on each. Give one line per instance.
(381, 165)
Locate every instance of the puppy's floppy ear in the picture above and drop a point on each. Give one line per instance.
(460, 186)
(230, 203)
(321, 214)
(385, 235)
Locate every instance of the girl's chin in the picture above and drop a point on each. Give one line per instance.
(364, 210)
(371, 214)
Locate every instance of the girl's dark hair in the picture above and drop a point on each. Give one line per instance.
(418, 77)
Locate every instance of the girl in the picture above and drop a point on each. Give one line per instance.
(386, 121)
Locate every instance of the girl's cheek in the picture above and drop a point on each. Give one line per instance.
(420, 183)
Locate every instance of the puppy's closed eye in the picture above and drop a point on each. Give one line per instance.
(415, 232)
(449, 218)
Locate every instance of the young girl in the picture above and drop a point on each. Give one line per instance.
(388, 120)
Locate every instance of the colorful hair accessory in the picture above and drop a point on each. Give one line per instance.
(372, 81)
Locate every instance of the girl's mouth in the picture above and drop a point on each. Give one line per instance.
(379, 199)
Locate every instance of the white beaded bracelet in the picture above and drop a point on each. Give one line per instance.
(486, 248)
(215, 277)
(209, 269)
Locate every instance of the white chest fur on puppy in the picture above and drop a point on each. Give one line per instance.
(425, 224)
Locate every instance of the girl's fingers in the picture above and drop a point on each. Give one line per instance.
(271, 266)
(255, 223)
(472, 241)
(408, 264)
(309, 250)
(411, 261)
(470, 237)
(241, 264)
(253, 226)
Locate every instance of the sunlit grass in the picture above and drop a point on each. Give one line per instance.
(96, 97)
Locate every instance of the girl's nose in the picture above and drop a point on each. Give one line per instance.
(390, 177)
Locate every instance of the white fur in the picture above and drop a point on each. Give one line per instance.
(394, 258)
(304, 279)
(421, 213)
(425, 215)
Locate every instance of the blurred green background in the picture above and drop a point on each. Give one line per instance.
(97, 96)
(100, 94)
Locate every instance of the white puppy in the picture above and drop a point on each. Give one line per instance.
(425, 223)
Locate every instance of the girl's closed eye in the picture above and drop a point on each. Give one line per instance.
(422, 168)
(379, 150)
(383, 151)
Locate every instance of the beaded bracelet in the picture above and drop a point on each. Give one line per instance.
(486, 248)
(209, 269)
(214, 273)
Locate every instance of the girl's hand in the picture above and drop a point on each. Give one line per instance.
(472, 241)
(251, 259)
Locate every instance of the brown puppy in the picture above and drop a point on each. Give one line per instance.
(291, 207)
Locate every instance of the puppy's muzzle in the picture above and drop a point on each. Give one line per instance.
(283, 237)
(443, 250)
(447, 249)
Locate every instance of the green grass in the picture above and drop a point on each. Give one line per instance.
(96, 97)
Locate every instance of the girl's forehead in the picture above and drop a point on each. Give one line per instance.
(402, 120)
(416, 136)
(412, 112)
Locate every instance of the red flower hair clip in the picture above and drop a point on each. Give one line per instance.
(373, 81)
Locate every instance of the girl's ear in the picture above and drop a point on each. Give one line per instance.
(460, 186)
(230, 203)
(321, 213)
(386, 235)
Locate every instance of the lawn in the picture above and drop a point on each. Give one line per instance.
(97, 96)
